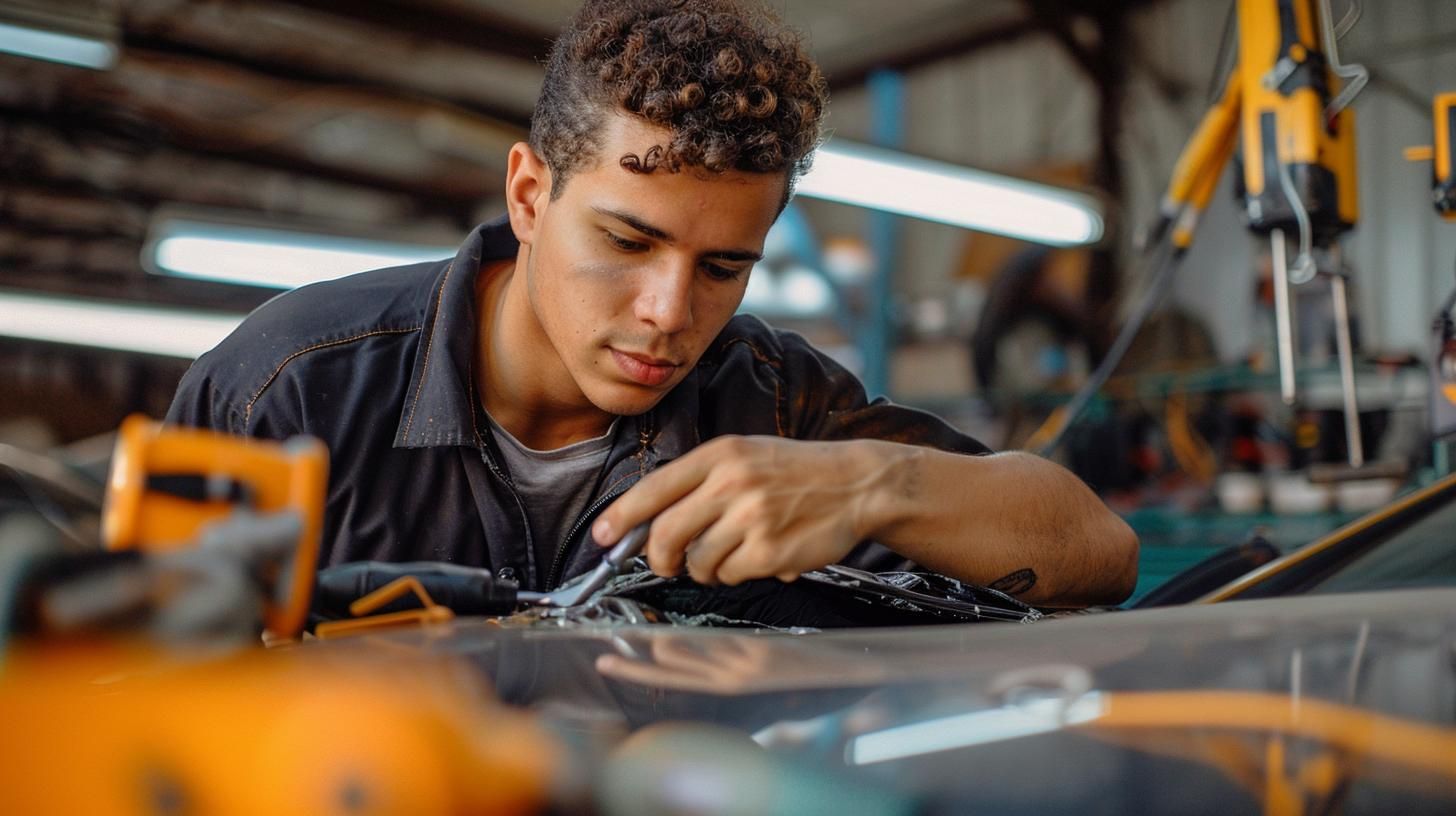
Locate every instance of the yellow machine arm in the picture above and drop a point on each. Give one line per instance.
(1441, 153)
(1299, 142)
(1286, 102)
(1445, 156)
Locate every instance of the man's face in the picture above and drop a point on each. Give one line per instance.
(631, 275)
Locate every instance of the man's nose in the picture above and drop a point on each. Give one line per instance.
(665, 298)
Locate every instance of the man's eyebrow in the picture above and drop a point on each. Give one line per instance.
(635, 223)
(735, 255)
(662, 235)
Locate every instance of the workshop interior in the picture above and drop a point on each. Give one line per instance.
(1200, 253)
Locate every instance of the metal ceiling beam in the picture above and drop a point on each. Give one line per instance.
(92, 163)
(945, 45)
(212, 108)
(479, 30)
(298, 42)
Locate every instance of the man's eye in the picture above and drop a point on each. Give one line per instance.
(722, 273)
(624, 244)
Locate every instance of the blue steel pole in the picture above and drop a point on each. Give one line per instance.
(887, 129)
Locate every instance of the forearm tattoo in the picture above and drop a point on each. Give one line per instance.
(1016, 583)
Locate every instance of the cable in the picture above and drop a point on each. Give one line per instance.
(1354, 74)
(1166, 261)
(1220, 71)
(1303, 269)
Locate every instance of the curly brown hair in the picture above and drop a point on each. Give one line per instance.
(733, 86)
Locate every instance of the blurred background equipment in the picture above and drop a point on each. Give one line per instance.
(1442, 155)
(1282, 101)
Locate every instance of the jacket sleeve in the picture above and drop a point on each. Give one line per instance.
(825, 401)
(199, 403)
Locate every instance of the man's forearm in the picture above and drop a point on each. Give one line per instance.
(1013, 521)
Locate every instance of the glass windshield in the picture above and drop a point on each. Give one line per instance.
(1421, 555)
(1102, 713)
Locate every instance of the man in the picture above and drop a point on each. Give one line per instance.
(577, 369)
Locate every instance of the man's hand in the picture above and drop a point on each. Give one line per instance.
(738, 508)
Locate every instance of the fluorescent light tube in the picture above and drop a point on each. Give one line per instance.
(950, 194)
(265, 256)
(170, 332)
(974, 728)
(68, 49)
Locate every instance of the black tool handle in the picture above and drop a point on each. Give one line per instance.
(464, 590)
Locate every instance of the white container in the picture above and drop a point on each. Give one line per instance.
(1293, 494)
(1364, 495)
(1239, 492)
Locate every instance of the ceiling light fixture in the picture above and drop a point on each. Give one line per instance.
(110, 324)
(951, 194)
(271, 256)
(80, 34)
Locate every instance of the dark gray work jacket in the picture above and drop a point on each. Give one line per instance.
(379, 366)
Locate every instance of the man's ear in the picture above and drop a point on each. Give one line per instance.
(528, 190)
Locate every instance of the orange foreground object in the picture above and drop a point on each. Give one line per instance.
(106, 729)
(287, 476)
(1248, 735)
(1366, 735)
(115, 727)
(429, 611)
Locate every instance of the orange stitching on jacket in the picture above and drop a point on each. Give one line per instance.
(778, 407)
(755, 350)
(248, 409)
(429, 344)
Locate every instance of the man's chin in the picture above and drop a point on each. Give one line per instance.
(624, 399)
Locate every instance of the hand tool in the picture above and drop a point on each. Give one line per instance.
(584, 587)
(465, 590)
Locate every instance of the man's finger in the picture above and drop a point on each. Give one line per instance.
(747, 562)
(656, 492)
(711, 548)
(674, 529)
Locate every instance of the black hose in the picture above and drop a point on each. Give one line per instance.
(1166, 259)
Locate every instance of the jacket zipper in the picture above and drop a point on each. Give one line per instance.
(559, 562)
(511, 487)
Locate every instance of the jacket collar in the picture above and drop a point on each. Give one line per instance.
(440, 406)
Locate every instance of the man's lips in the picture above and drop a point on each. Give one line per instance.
(643, 368)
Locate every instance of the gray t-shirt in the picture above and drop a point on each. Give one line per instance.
(555, 485)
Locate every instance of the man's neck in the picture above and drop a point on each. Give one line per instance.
(521, 377)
